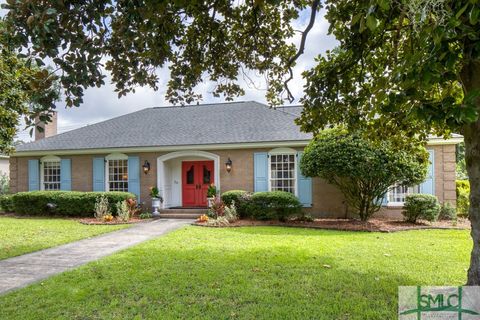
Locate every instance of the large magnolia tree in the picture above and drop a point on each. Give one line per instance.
(26, 90)
(403, 68)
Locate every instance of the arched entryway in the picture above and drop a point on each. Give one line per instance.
(169, 174)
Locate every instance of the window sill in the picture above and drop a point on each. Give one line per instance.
(395, 205)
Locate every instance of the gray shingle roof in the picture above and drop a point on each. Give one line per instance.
(237, 122)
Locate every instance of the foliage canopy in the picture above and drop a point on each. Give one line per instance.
(362, 169)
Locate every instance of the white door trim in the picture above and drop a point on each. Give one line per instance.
(161, 183)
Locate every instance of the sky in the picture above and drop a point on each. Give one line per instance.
(102, 103)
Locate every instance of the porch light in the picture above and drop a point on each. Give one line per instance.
(146, 167)
(228, 165)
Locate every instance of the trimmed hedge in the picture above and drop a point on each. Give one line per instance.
(463, 198)
(421, 206)
(241, 198)
(6, 203)
(273, 205)
(68, 203)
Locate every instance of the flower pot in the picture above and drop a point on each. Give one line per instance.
(210, 201)
(156, 204)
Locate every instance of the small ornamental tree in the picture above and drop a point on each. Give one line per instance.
(363, 170)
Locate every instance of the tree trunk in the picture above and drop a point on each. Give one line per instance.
(472, 158)
(470, 76)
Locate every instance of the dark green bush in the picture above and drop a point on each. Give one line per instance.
(67, 203)
(447, 212)
(363, 169)
(273, 205)
(241, 198)
(6, 203)
(463, 198)
(421, 206)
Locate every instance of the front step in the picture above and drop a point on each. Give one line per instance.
(182, 213)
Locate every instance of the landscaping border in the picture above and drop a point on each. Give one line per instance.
(353, 227)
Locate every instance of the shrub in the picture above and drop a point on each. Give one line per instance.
(274, 205)
(217, 209)
(133, 207)
(6, 202)
(102, 209)
(68, 203)
(241, 199)
(145, 215)
(463, 198)
(231, 212)
(421, 206)
(363, 169)
(447, 212)
(123, 211)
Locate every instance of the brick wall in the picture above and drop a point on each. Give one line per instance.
(328, 201)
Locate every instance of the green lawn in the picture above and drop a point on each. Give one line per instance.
(19, 236)
(250, 273)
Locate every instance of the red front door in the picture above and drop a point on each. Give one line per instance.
(196, 177)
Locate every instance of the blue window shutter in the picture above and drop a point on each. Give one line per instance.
(66, 175)
(428, 186)
(385, 199)
(33, 175)
(134, 176)
(98, 174)
(304, 185)
(260, 168)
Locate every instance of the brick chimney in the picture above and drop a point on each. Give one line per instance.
(49, 129)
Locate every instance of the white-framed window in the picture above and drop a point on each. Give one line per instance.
(116, 172)
(50, 173)
(282, 168)
(398, 193)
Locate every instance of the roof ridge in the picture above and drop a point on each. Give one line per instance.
(203, 104)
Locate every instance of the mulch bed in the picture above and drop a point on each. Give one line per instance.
(373, 225)
(89, 221)
(93, 221)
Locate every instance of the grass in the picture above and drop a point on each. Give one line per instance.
(250, 273)
(20, 236)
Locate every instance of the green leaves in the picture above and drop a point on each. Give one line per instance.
(473, 16)
(361, 168)
(372, 22)
(197, 40)
(26, 91)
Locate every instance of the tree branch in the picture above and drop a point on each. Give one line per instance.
(301, 49)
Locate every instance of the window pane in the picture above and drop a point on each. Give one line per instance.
(190, 175)
(398, 193)
(282, 172)
(51, 175)
(118, 175)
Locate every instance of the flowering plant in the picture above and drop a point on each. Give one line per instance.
(211, 191)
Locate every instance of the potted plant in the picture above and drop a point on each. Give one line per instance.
(157, 200)
(211, 193)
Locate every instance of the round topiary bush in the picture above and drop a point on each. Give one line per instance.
(421, 206)
(274, 205)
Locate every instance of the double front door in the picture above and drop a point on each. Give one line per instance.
(196, 177)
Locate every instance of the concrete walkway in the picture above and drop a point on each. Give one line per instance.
(18, 272)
